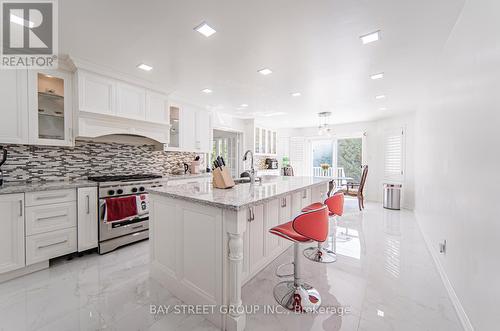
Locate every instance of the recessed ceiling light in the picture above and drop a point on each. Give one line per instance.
(205, 29)
(244, 105)
(371, 37)
(265, 71)
(380, 313)
(145, 67)
(378, 97)
(382, 108)
(207, 91)
(380, 75)
(296, 94)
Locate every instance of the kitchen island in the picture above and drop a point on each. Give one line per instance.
(207, 243)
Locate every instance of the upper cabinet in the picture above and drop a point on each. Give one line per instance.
(189, 128)
(157, 108)
(112, 106)
(131, 101)
(265, 141)
(50, 108)
(14, 107)
(96, 94)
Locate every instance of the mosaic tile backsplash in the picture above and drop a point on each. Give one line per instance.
(47, 163)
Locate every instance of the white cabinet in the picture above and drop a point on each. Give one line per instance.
(202, 141)
(272, 216)
(187, 118)
(14, 107)
(50, 108)
(256, 237)
(51, 224)
(265, 141)
(96, 94)
(190, 129)
(87, 218)
(12, 234)
(157, 108)
(131, 101)
(45, 246)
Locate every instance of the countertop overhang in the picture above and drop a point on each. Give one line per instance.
(239, 196)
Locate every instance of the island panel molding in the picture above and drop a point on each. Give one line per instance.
(184, 232)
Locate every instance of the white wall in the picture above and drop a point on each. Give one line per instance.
(373, 151)
(458, 159)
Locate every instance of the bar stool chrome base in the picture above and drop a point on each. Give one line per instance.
(320, 254)
(302, 298)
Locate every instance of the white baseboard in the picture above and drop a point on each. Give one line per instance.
(462, 315)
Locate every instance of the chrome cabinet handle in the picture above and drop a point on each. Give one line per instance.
(51, 197)
(251, 215)
(21, 208)
(283, 202)
(88, 204)
(57, 243)
(304, 195)
(50, 217)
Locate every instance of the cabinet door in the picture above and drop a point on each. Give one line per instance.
(202, 142)
(12, 234)
(257, 140)
(285, 215)
(87, 218)
(96, 93)
(263, 140)
(157, 108)
(256, 236)
(50, 108)
(275, 143)
(268, 142)
(272, 214)
(306, 197)
(187, 118)
(131, 101)
(14, 107)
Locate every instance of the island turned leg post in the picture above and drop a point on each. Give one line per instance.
(236, 318)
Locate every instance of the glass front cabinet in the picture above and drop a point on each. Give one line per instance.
(265, 141)
(50, 108)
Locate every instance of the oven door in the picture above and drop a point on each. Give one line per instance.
(116, 229)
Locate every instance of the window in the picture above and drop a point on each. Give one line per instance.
(394, 150)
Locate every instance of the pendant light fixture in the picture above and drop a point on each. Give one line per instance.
(324, 128)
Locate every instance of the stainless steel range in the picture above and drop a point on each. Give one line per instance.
(126, 190)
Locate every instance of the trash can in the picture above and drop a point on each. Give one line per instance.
(392, 196)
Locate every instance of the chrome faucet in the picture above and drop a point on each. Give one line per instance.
(252, 170)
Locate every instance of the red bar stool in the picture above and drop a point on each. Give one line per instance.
(320, 254)
(307, 227)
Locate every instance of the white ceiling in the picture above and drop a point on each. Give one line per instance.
(312, 47)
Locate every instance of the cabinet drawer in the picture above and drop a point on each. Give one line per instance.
(45, 246)
(50, 197)
(46, 218)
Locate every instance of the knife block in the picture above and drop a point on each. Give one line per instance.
(221, 178)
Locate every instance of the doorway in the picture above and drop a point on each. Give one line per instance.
(337, 157)
(226, 144)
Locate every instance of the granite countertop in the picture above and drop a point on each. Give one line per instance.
(240, 196)
(187, 176)
(23, 187)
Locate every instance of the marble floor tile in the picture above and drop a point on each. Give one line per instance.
(384, 277)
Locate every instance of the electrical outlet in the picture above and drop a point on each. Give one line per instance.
(442, 247)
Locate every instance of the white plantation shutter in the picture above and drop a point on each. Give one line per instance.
(394, 150)
(298, 155)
